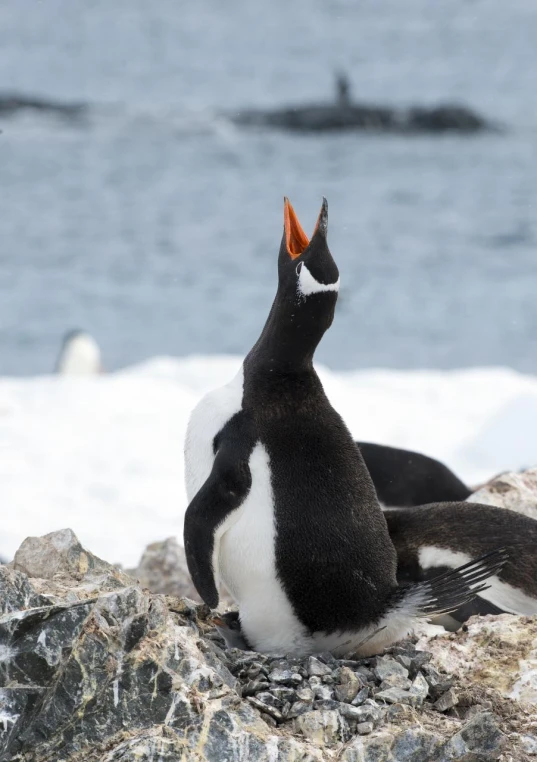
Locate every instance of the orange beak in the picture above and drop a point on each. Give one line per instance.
(216, 620)
(295, 238)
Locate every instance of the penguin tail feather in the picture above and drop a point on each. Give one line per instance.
(452, 589)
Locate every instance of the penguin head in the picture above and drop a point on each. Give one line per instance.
(308, 275)
(303, 309)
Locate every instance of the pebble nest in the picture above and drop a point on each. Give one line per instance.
(364, 693)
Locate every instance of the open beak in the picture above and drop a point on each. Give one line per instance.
(217, 621)
(295, 238)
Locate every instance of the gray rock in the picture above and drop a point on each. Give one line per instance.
(254, 686)
(285, 677)
(364, 713)
(398, 696)
(387, 667)
(321, 727)
(304, 693)
(284, 694)
(480, 739)
(324, 692)
(298, 708)
(16, 592)
(447, 701)
(438, 684)
(364, 728)
(395, 681)
(163, 569)
(316, 668)
(420, 687)
(349, 686)
(361, 696)
(271, 711)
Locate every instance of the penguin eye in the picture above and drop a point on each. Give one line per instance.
(299, 268)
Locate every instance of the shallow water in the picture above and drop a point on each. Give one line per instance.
(156, 224)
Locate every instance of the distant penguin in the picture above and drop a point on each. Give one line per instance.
(79, 355)
(282, 508)
(343, 90)
(437, 538)
(403, 478)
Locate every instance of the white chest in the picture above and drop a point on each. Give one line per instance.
(247, 565)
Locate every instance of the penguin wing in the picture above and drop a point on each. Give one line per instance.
(223, 492)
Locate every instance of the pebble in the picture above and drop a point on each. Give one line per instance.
(361, 696)
(316, 668)
(254, 686)
(283, 694)
(387, 667)
(324, 692)
(285, 677)
(298, 708)
(304, 694)
(398, 696)
(364, 728)
(265, 708)
(447, 701)
(349, 686)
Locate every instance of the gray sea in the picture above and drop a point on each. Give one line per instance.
(156, 224)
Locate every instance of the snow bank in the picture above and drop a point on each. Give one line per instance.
(104, 455)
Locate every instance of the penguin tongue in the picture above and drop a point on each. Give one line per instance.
(295, 238)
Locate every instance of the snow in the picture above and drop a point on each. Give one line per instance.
(104, 454)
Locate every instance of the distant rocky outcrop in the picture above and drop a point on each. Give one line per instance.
(346, 114)
(12, 104)
(95, 668)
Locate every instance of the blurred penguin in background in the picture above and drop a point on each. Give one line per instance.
(80, 355)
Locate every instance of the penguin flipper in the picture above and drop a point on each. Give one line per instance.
(449, 591)
(222, 493)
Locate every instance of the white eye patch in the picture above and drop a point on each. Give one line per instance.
(308, 285)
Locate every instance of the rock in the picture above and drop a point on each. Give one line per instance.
(420, 687)
(516, 492)
(59, 557)
(398, 696)
(316, 668)
(163, 569)
(361, 696)
(16, 592)
(387, 667)
(285, 677)
(447, 701)
(501, 651)
(349, 687)
(480, 739)
(94, 668)
(322, 727)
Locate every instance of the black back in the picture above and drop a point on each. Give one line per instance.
(404, 478)
(469, 528)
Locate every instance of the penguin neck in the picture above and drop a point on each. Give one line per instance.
(291, 334)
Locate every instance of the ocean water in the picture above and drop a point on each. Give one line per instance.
(156, 224)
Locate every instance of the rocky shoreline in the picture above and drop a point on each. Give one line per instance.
(96, 667)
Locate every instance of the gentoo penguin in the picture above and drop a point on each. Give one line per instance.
(79, 355)
(229, 627)
(437, 538)
(403, 478)
(282, 508)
